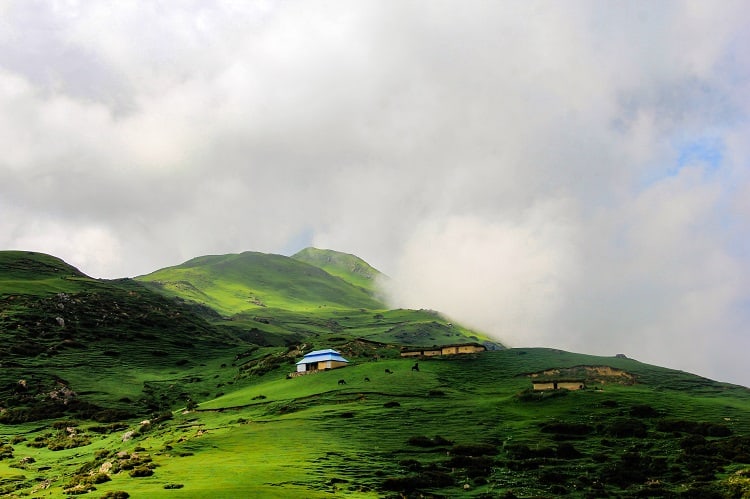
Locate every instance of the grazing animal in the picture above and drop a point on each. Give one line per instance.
(367, 379)
(342, 382)
(388, 371)
(415, 367)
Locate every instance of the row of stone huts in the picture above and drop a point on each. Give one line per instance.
(433, 351)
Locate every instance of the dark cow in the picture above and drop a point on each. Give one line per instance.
(342, 382)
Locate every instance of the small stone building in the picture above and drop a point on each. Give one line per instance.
(558, 384)
(319, 360)
(444, 350)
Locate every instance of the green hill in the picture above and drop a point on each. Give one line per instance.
(150, 389)
(315, 296)
(250, 281)
(59, 326)
(27, 271)
(348, 267)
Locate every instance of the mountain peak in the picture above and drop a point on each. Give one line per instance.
(349, 267)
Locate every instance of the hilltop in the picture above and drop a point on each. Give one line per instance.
(348, 267)
(176, 384)
(248, 281)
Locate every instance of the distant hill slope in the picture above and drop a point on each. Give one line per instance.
(348, 267)
(62, 329)
(237, 283)
(279, 300)
(142, 345)
(22, 271)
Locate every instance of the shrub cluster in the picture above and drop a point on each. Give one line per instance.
(423, 441)
(703, 428)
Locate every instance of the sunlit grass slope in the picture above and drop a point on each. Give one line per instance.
(458, 427)
(95, 375)
(30, 272)
(252, 281)
(351, 268)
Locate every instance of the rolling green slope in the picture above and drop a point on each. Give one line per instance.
(466, 426)
(28, 271)
(97, 342)
(315, 296)
(251, 281)
(348, 267)
(109, 387)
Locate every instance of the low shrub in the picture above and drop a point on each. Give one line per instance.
(643, 411)
(6, 452)
(550, 477)
(410, 464)
(704, 428)
(141, 471)
(474, 450)
(561, 428)
(423, 441)
(116, 494)
(624, 428)
(426, 480)
(531, 395)
(567, 451)
(61, 425)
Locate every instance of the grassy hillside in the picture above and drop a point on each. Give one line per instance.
(460, 426)
(348, 267)
(30, 272)
(110, 388)
(316, 296)
(76, 345)
(251, 281)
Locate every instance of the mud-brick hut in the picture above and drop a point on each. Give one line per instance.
(319, 360)
(463, 348)
(542, 384)
(455, 349)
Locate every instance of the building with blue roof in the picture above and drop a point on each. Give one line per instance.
(319, 360)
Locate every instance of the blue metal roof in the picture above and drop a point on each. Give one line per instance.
(321, 356)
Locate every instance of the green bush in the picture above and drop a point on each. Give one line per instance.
(623, 428)
(6, 452)
(141, 471)
(116, 494)
(422, 441)
(562, 428)
(426, 480)
(474, 450)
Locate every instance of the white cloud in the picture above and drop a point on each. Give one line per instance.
(439, 141)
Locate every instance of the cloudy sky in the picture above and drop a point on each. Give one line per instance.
(566, 174)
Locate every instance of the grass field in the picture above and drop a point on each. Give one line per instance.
(468, 421)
